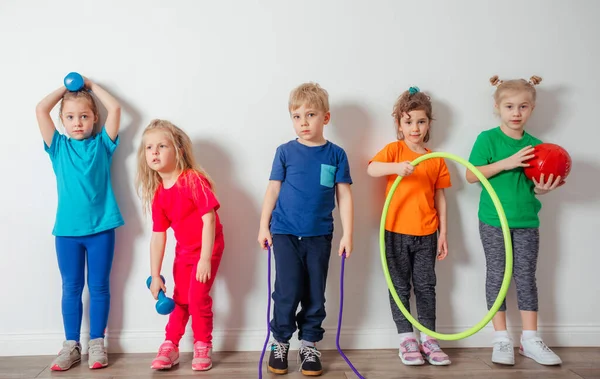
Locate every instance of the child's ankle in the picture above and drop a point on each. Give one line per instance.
(307, 343)
(405, 336)
(528, 334)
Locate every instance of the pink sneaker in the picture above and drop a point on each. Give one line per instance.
(409, 352)
(433, 353)
(202, 360)
(167, 357)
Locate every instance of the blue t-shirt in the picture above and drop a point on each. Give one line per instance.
(308, 176)
(86, 202)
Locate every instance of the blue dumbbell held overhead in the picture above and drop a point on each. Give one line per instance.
(164, 305)
(74, 82)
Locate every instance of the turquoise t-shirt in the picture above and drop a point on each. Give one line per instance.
(513, 188)
(86, 202)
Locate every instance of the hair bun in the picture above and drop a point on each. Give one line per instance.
(494, 80)
(535, 80)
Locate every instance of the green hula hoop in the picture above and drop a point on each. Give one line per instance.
(507, 245)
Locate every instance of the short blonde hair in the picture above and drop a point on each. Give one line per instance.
(309, 94)
(518, 85)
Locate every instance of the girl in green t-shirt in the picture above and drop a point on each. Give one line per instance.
(500, 154)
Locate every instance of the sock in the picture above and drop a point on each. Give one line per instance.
(404, 336)
(307, 343)
(527, 334)
(423, 337)
(501, 334)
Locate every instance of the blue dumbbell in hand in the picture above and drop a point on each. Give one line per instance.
(74, 82)
(164, 305)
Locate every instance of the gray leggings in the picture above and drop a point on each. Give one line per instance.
(526, 244)
(412, 258)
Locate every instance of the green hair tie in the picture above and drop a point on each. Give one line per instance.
(413, 90)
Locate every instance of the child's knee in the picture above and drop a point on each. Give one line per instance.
(99, 289)
(72, 287)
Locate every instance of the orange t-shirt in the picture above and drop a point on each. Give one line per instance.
(412, 208)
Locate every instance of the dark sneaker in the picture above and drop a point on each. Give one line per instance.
(278, 360)
(310, 361)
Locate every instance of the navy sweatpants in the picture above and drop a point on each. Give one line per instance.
(301, 265)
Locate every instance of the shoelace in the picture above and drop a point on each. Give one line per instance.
(162, 351)
(96, 349)
(543, 346)
(433, 346)
(201, 352)
(279, 350)
(504, 347)
(410, 346)
(309, 354)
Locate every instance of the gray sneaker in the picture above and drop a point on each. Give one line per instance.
(97, 357)
(67, 357)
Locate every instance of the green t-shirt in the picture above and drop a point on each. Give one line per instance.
(513, 188)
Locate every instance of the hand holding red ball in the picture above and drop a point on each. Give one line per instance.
(550, 162)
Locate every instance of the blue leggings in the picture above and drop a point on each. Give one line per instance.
(71, 253)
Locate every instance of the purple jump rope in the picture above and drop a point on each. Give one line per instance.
(268, 311)
(337, 337)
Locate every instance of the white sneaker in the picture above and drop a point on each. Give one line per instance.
(504, 352)
(537, 350)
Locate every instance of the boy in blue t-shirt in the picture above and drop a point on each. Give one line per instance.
(307, 175)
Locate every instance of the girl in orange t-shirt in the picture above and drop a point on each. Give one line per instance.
(415, 230)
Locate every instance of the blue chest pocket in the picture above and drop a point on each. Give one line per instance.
(327, 175)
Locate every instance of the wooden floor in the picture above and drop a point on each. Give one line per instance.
(372, 364)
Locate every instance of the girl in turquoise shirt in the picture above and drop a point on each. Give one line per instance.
(87, 212)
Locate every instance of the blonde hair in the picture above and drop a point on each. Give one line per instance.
(310, 94)
(148, 180)
(411, 100)
(81, 95)
(514, 85)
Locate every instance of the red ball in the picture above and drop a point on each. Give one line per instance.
(549, 159)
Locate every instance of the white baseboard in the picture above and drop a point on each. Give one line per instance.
(124, 341)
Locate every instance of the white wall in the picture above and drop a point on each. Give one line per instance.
(223, 71)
